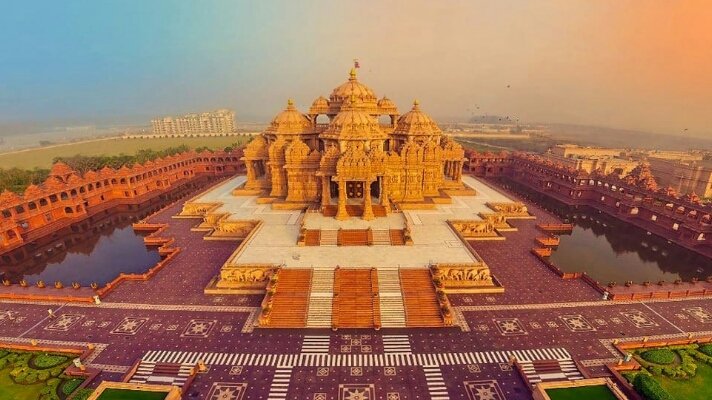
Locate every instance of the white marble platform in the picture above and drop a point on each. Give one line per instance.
(276, 240)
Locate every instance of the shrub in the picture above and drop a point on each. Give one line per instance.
(706, 349)
(83, 394)
(71, 385)
(647, 386)
(30, 378)
(655, 369)
(56, 371)
(20, 377)
(659, 356)
(688, 363)
(43, 361)
(43, 375)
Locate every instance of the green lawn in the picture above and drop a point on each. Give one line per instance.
(599, 392)
(42, 157)
(126, 394)
(697, 388)
(9, 390)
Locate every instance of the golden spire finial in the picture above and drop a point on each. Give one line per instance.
(290, 103)
(352, 74)
(416, 104)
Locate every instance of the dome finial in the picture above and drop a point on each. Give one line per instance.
(352, 74)
(290, 103)
(416, 104)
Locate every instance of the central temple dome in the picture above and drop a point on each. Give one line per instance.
(353, 123)
(353, 88)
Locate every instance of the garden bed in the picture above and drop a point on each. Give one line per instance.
(598, 392)
(36, 375)
(673, 372)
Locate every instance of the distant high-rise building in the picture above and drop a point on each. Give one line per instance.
(218, 121)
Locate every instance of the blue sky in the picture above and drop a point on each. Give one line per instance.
(605, 63)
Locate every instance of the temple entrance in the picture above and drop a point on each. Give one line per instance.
(376, 188)
(334, 189)
(259, 168)
(354, 189)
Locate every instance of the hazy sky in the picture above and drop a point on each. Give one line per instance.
(641, 64)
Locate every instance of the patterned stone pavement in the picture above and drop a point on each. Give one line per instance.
(169, 319)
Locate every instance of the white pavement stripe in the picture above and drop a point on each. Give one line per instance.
(316, 359)
(435, 383)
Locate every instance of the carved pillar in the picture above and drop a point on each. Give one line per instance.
(384, 201)
(367, 204)
(341, 214)
(250, 170)
(383, 192)
(325, 192)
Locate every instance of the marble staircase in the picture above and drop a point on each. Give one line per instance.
(321, 298)
(381, 237)
(329, 237)
(391, 298)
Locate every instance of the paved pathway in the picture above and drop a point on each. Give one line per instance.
(169, 319)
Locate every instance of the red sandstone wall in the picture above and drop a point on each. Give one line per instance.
(680, 219)
(67, 197)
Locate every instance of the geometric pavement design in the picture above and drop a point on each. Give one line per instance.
(129, 326)
(226, 391)
(483, 390)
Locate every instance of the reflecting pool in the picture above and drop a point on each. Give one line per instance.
(93, 251)
(610, 250)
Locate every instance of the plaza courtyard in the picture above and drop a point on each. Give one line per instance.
(141, 328)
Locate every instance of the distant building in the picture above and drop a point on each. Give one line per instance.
(683, 175)
(219, 121)
(575, 151)
(590, 159)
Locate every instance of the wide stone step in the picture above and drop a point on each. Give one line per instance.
(420, 300)
(290, 301)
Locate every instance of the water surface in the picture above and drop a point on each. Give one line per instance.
(610, 250)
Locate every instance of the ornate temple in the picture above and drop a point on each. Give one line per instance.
(404, 218)
(353, 159)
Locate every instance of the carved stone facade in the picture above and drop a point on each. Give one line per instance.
(353, 158)
(246, 279)
(463, 278)
(510, 210)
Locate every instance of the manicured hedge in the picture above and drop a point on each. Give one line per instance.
(659, 356)
(71, 385)
(43, 361)
(647, 386)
